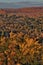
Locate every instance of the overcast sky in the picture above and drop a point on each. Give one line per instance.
(20, 0)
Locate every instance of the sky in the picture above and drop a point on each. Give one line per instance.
(20, 0)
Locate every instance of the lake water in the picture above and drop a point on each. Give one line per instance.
(21, 5)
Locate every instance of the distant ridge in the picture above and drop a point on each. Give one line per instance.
(30, 11)
(22, 10)
(25, 10)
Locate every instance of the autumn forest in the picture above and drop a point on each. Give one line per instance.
(21, 39)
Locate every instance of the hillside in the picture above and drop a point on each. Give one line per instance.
(21, 36)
